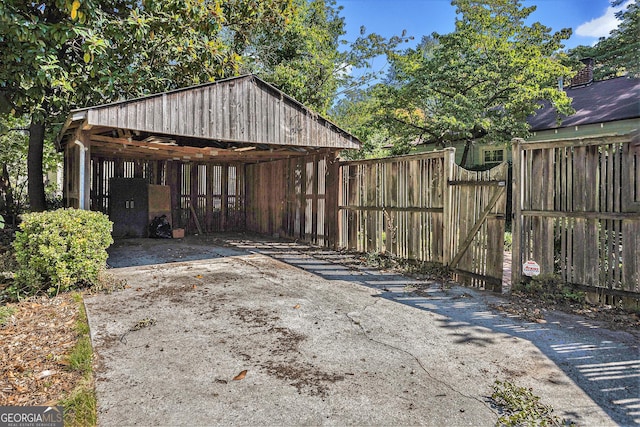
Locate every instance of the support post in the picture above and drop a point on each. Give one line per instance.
(84, 167)
(449, 162)
(516, 221)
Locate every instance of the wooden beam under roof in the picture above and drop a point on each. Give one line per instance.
(113, 146)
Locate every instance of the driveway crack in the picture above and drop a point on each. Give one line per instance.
(414, 357)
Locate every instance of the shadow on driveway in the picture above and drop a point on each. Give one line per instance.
(605, 364)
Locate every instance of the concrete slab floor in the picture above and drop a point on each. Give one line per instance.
(326, 343)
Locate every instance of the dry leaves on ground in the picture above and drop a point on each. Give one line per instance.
(533, 310)
(35, 343)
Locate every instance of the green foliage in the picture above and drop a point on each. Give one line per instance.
(551, 288)
(58, 250)
(308, 60)
(13, 156)
(80, 405)
(376, 146)
(5, 313)
(359, 113)
(617, 54)
(480, 82)
(157, 46)
(303, 58)
(521, 407)
(508, 241)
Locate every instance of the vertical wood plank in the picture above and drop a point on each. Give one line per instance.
(516, 198)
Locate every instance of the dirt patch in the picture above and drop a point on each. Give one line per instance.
(168, 291)
(306, 379)
(286, 361)
(256, 317)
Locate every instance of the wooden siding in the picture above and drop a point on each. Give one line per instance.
(577, 213)
(242, 110)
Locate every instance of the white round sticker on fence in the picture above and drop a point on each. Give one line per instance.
(530, 268)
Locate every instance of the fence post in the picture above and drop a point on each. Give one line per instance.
(447, 233)
(516, 221)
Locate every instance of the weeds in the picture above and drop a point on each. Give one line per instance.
(107, 283)
(520, 407)
(80, 405)
(551, 288)
(431, 270)
(5, 314)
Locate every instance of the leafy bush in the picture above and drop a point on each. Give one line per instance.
(58, 250)
(508, 241)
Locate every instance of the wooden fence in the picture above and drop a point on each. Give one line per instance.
(426, 208)
(577, 213)
(395, 205)
(294, 198)
(476, 224)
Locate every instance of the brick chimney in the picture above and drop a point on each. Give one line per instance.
(584, 76)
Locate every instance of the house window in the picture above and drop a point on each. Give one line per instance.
(493, 156)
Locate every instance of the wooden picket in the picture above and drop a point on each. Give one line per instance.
(395, 205)
(426, 208)
(477, 224)
(577, 213)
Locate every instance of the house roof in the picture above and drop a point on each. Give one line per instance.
(599, 102)
(241, 117)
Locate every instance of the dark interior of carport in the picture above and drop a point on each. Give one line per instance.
(233, 155)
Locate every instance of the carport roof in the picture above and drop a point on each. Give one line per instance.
(240, 119)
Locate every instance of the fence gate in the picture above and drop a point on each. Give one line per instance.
(424, 207)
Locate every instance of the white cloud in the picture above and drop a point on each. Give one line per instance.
(603, 25)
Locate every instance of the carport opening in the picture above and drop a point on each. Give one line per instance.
(232, 155)
(283, 198)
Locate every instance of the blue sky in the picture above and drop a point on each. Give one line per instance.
(589, 19)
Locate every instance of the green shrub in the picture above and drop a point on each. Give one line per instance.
(58, 250)
(508, 241)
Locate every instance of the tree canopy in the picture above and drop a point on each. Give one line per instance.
(56, 55)
(617, 54)
(480, 82)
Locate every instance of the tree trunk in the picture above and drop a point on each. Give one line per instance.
(7, 196)
(465, 153)
(37, 201)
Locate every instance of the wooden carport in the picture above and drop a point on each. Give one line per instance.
(236, 154)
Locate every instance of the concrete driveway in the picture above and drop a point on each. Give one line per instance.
(326, 344)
